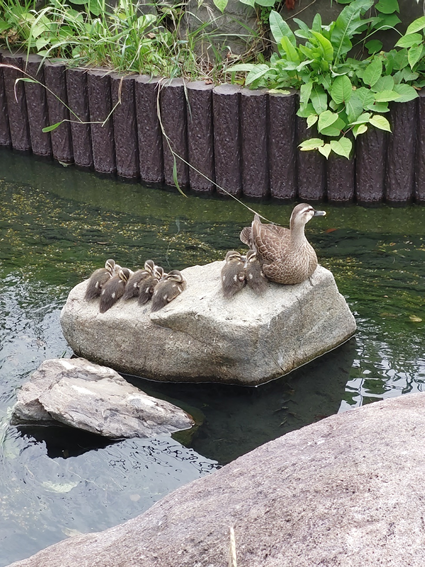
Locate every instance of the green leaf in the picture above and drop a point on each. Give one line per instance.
(388, 22)
(359, 129)
(387, 6)
(265, 3)
(305, 92)
(380, 122)
(373, 72)
(406, 93)
(416, 26)
(342, 147)
(347, 25)
(311, 120)
(305, 111)
(354, 107)
(41, 42)
(221, 4)
(362, 119)
(341, 89)
(325, 150)
(326, 45)
(280, 28)
(386, 96)
(366, 96)
(256, 73)
(248, 2)
(291, 52)
(334, 129)
(326, 118)
(240, 67)
(384, 84)
(311, 144)
(414, 54)
(373, 46)
(409, 40)
(52, 127)
(317, 23)
(319, 100)
(378, 107)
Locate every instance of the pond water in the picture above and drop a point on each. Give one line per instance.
(58, 224)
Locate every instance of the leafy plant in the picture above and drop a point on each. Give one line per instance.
(340, 96)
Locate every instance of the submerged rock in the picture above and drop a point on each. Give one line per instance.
(94, 398)
(345, 491)
(201, 336)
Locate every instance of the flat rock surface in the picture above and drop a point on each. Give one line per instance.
(201, 336)
(94, 398)
(346, 491)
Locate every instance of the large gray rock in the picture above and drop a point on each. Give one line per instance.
(201, 336)
(94, 398)
(345, 491)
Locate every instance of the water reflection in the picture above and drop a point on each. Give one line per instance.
(57, 225)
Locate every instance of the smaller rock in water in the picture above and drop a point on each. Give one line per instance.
(95, 398)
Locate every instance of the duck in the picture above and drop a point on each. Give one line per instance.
(114, 289)
(285, 254)
(147, 285)
(132, 288)
(170, 286)
(99, 278)
(254, 275)
(233, 274)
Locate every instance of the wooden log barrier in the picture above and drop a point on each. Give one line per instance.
(38, 114)
(125, 127)
(16, 107)
(4, 119)
(78, 102)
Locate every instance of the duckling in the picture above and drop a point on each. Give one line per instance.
(147, 285)
(99, 278)
(255, 278)
(285, 254)
(114, 289)
(133, 285)
(170, 286)
(233, 274)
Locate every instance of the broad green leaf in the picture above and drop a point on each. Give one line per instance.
(328, 50)
(241, 67)
(279, 91)
(280, 28)
(265, 3)
(319, 99)
(347, 25)
(317, 23)
(41, 42)
(354, 107)
(305, 111)
(414, 54)
(386, 96)
(311, 144)
(221, 4)
(373, 46)
(305, 92)
(331, 131)
(409, 40)
(342, 147)
(366, 96)
(373, 72)
(302, 25)
(405, 75)
(249, 2)
(311, 120)
(359, 129)
(254, 74)
(341, 89)
(325, 150)
(291, 52)
(378, 107)
(362, 119)
(387, 6)
(388, 22)
(51, 127)
(406, 93)
(416, 26)
(384, 84)
(326, 118)
(380, 122)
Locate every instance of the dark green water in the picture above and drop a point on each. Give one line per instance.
(58, 224)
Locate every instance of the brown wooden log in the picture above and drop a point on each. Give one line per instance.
(102, 130)
(282, 145)
(149, 135)
(340, 177)
(255, 170)
(55, 77)
(200, 136)
(310, 167)
(38, 115)
(125, 126)
(16, 107)
(370, 166)
(4, 118)
(227, 146)
(78, 102)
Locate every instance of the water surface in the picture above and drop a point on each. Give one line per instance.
(58, 224)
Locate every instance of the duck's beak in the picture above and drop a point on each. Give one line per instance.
(319, 214)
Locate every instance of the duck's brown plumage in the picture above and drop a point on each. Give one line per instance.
(170, 286)
(99, 278)
(113, 290)
(233, 274)
(148, 285)
(255, 278)
(132, 288)
(285, 254)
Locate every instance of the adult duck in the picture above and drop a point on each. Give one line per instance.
(285, 254)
